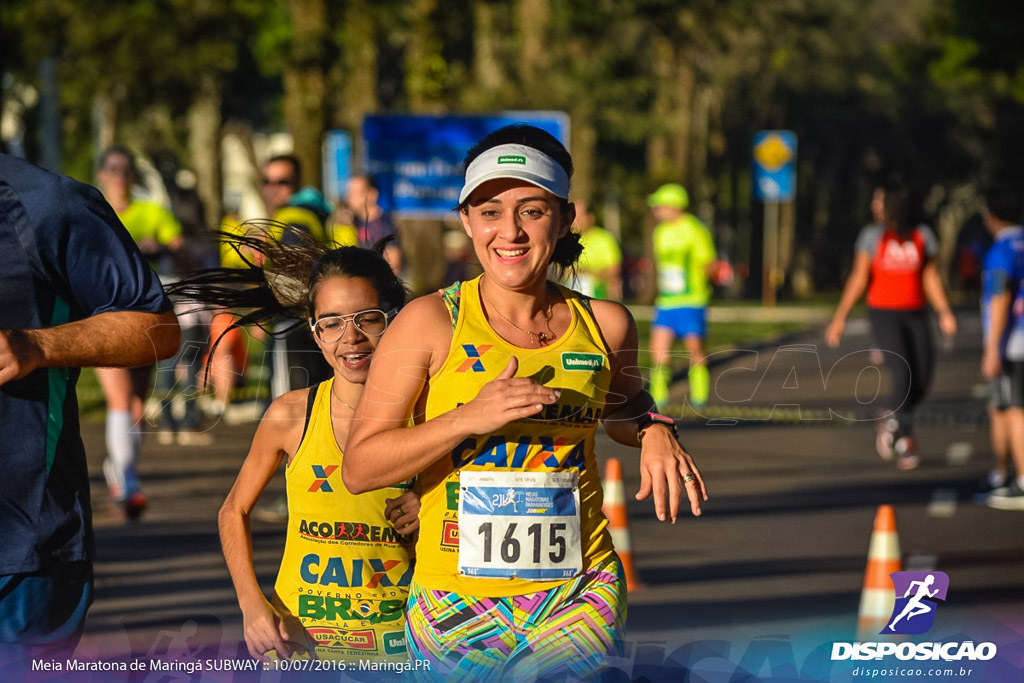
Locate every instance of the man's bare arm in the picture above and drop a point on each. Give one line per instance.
(115, 339)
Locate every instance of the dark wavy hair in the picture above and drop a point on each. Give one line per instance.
(898, 210)
(282, 276)
(568, 248)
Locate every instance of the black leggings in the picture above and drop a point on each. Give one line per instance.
(905, 338)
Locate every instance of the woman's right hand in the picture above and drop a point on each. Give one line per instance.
(505, 399)
(834, 332)
(265, 630)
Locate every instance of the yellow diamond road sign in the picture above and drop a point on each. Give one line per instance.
(773, 153)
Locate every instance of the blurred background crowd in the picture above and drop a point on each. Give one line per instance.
(656, 91)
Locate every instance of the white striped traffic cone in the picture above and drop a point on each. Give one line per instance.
(877, 599)
(614, 509)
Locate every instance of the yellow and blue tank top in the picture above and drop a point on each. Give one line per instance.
(498, 512)
(346, 571)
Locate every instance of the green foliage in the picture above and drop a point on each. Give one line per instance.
(932, 89)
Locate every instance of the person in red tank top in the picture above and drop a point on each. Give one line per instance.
(895, 263)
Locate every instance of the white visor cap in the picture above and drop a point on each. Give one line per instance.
(520, 162)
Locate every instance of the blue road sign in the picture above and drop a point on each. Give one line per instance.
(417, 159)
(337, 164)
(775, 165)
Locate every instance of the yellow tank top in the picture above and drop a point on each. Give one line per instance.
(519, 510)
(345, 572)
(301, 218)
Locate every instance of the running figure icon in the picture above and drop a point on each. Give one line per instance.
(916, 606)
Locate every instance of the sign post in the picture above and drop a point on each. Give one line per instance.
(774, 183)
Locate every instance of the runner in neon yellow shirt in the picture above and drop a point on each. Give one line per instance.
(684, 251)
(157, 234)
(599, 271)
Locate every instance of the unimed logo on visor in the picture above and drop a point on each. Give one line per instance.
(916, 593)
(512, 159)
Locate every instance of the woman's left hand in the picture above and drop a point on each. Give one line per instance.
(404, 513)
(666, 469)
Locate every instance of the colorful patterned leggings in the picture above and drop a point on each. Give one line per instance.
(571, 629)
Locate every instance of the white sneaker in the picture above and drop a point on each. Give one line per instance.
(885, 438)
(1007, 498)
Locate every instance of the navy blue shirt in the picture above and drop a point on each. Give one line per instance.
(64, 256)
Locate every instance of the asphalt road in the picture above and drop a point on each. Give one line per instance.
(778, 556)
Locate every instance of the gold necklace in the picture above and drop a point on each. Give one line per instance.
(343, 401)
(539, 338)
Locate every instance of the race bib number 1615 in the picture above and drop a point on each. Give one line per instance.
(520, 524)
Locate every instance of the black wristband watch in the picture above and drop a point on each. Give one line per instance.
(649, 418)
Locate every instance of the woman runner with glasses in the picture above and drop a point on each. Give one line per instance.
(331, 328)
(507, 377)
(344, 577)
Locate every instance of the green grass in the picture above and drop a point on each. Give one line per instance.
(724, 336)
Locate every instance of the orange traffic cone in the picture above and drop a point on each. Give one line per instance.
(877, 598)
(618, 523)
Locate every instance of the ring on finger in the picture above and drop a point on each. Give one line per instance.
(401, 511)
(688, 477)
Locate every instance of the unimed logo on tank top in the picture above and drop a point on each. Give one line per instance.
(901, 255)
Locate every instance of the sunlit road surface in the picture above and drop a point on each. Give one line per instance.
(779, 552)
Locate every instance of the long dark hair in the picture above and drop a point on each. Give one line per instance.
(280, 280)
(568, 248)
(898, 211)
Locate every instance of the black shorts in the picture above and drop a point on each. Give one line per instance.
(1007, 390)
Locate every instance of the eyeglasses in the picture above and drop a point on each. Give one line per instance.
(283, 182)
(331, 328)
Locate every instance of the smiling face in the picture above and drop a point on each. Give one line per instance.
(514, 227)
(350, 356)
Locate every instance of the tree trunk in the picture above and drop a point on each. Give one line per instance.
(105, 121)
(583, 145)
(304, 89)
(534, 16)
(659, 166)
(204, 121)
(961, 202)
(488, 72)
(424, 65)
(681, 120)
(359, 76)
(697, 156)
